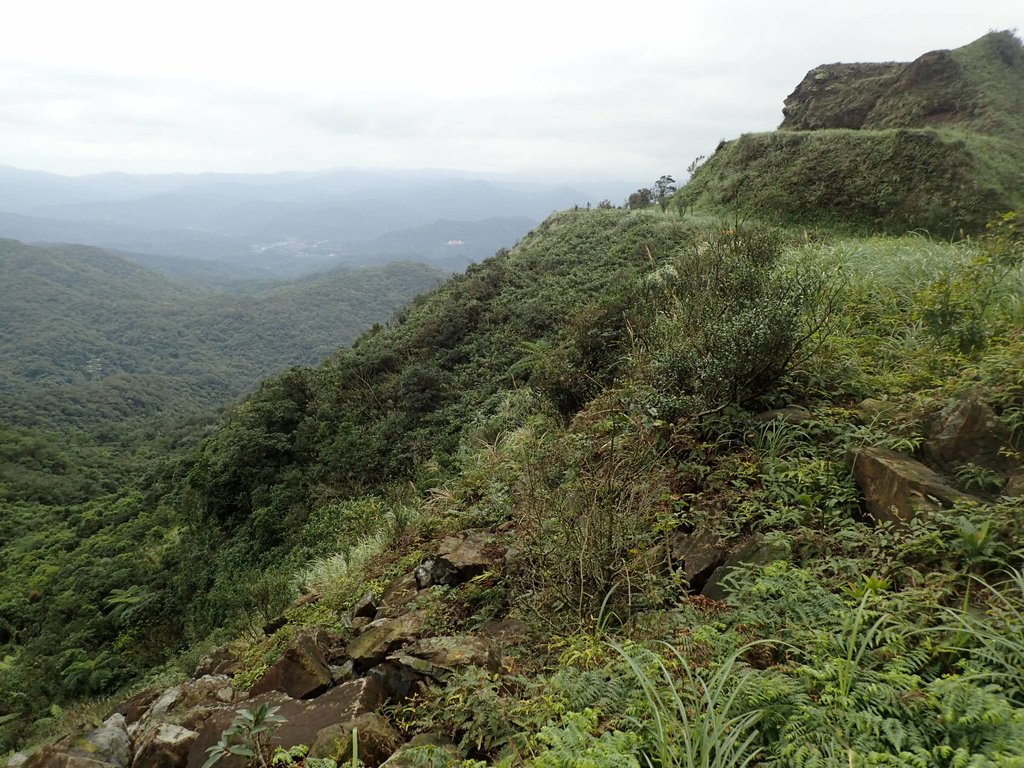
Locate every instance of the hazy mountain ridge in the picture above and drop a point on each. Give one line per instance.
(281, 224)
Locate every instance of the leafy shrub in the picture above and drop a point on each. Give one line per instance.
(725, 322)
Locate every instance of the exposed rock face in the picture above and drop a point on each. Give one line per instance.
(303, 719)
(897, 487)
(460, 558)
(870, 410)
(437, 571)
(301, 672)
(105, 747)
(365, 607)
(968, 431)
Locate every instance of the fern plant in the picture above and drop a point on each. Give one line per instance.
(700, 723)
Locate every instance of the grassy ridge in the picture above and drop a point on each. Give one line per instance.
(937, 144)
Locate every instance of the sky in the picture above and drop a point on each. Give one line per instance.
(552, 90)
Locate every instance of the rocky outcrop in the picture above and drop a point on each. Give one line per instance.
(303, 719)
(165, 746)
(696, 555)
(438, 657)
(896, 487)
(382, 636)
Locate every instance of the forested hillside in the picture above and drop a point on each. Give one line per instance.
(653, 488)
(87, 337)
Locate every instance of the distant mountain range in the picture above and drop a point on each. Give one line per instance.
(279, 224)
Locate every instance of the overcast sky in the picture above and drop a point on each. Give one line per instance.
(567, 89)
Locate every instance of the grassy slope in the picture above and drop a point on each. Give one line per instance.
(493, 402)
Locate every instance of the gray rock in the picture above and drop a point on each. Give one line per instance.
(400, 592)
(438, 657)
(1015, 485)
(398, 681)
(365, 607)
(873, 411)
(304, 719)
(436, 571)
(377, 739)
(697, 555)
(105, 747)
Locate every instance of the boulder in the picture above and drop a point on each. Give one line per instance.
(382, 636)
(105, 747)
(398, 681)
(870, 410)
(135, 707)
(302, 670)
(897, 487)
(376, 737)
(189, 705)
(220, 661)
(471, 552)
(438, 657)
(436, 571)
(968, 431)
(1015, 485)
(696, 555)
(17, 760)
(304, 719)
(165, 746)
(756, 551)
(365, 606)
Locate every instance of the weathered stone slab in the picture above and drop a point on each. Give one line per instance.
(897, 487)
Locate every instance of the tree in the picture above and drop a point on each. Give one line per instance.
(642, 198)
(664, 188)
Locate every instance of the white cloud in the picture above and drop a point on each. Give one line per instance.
(618, 90)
